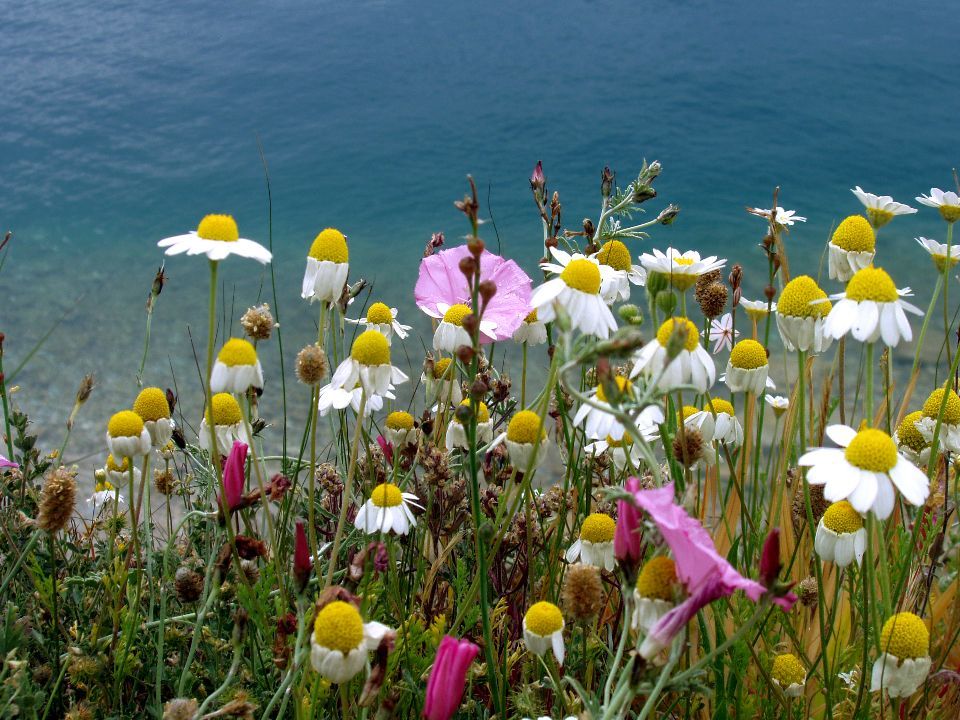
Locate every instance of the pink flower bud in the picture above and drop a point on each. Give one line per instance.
(448, 678)
(626, 538)
(387, 448)
(301, 557)
(770, 558)
(233, 476)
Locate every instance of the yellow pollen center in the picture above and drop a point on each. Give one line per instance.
(125, 423)
(908, 434)
(842, 518)
(218, 227)
(623, 385)
(905, 636)
(531, 317)
(657, 578)
(872, 450)
(121, 468)
(237, 351)
(683, 261)
(226, 410)
(525, 427)
(854, 234)
(797, 299)
(748, 355)
(151, 404)
(719, 405)
(598, 528)
(674, 324)
(379, 314)
(788, 670)
(615, 254)
(338, 627)
(440, 367)
(872, 284)
(386, 495)
(330, 245)
(582, 275)
(104, 486)
(685, 412)
(543, 619)
(371, 348)
(456, 314)
(950, 213)
(625, 441)
(483, 414)
(951, 413)
(879, 217)
(399, 420)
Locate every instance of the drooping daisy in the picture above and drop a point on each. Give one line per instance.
(864, 470)
(401, 429)
(237, 368)
(938, 253)
(595, 544)
(457, 430)
(388, 509)
(227, 424)
(543, 630)
(104, 493)
(783, 218)
(692, 365)
(450, 333)
(576, 288)
(525, 437)
(330, 398)
(722, 333)
(948, 203)
(441, 383)
(216, 237)
(881, 209)
(382, 317)
(622, 450)
(369, 364)
(151, 405)
(779, 403)
(910, 441)
(871, 309)
(789, 674)
(118, 473)
(327, 267)
(532, 331)
(726, 426)
(341, 641)
(616, 285)
(841, 537)
(852, 248)
(597, 422)
(693, 419)
(949, 437)
(801, 310)
(747, 368)
(126, 435)
(681, 270)
(655, 592)
(757, 310)
(904, 661)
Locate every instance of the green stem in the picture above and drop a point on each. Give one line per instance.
(211, 339)
(926, 321)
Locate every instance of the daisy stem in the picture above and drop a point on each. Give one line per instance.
(868, 400)
(946, 292)
(312, 480)
(926, 322)
(211, 338)
(523, 376)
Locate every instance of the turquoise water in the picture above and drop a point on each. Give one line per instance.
(123, 123)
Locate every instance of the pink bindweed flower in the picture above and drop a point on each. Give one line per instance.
(626, 538)
(387, 448)
(448, 678)
(5, 463)
(301, 557)
(441, 286)
(233, 476)
(705, 574)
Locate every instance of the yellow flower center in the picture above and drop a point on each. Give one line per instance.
(151, 404)
(483, 414)
(855, 234)
(371, 348)
(237, 351)
(748, 355)
(125, 423)
(623, 385)
(941, 261)
(338, 627)
(543, 619)
(330, 245)
(218, 227)
(951, 413)
(842, 518)
(798, 296)
(788, 670)
(872, 284)
(104, 485)
(719, 405)
(399, 420)
(531, 317)
(879, 217)
(625, 441)
(525, 427)
(873, 450)
(615, 254)
(121, 468)
(950, 213)
(440, 367)
(582, 275)
(683, 261)
(379, 314)
(386, 495)
(905, 636)
(657, 578)
(226, 410)
(685, 412)
(677, 324)
(598, 528)
(908, 434)
(456, 314)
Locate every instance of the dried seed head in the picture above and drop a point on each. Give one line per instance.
(713, 300)
(165, 482)
(180, 709)
(251, 570)
(688, 447)
(818, 505)
(86, 387)
(57, 500)
(807, 590)
(582, 591)
(706, 280)
(258, 323)
(188, 583)
(312, 365)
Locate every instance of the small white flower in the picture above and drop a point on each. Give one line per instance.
(747, 368)
(841, 537)
(594, 546)
(237, 368)
(577, 290)
(387, 510)
(801, 310)
(948, 203)
(851, 248)
(400, 429)
(216, 237)
(757, 310)
(457, 431)
(881, 209)
(341, 641)
(369, 364)
(654, 593)
(543, 630)
(532, 330)
(599, 423)
(719, 419)
(871, 309)
(779, 403)
(616, 285)
(228, 425)
(938, 252)
(904, 662)
(338, 398)
(327, 267)
(691, 366)
(127, 437)
(721, 333)
(680, 269)
(382, 318)
(441, 384)
(783, 217)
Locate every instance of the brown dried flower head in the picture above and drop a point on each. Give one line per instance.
(58, 499)
(180, 709)
(688, 446)
(582, 591)
(713, 300)
(188, 584)
(312, 365)
(258, 323)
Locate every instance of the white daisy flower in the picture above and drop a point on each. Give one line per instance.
(341, 641)
(532, 330)
(400, 429)
(104, 494)
(450, 333)
(624, 452)
(871, 309)
(801, 310)
(338, 398)
(525, 437)
(228, 425)
(784, 218)
(725, 426)
(905, 662)
(841, 537)
(757, 310)
(789, 674)
(382, 318)
(655, 592)
(457, 431)
(596, 422)
(949, 437)
(216, 237)
(913, 443)
(441, 384)
(118, 474)
(852, 248)
(721, 333)
(126, 435)
(680, 269)
(577, 290)
(881, 209)
(237, 368)
(595, 544)
(388, 509)
(948, 203)
(864, 470)
(543, 630)
(327, 267)
(152, 407)
(692, 365)
(779, 403)
(369, 364)
(747, 368)
(938, 252)
(616, 285)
